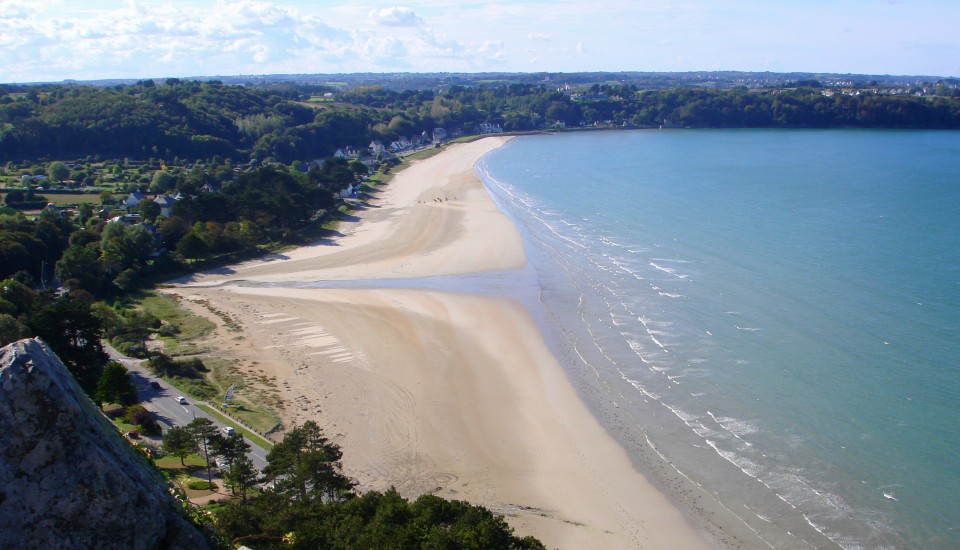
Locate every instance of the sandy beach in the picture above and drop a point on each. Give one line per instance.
(430, 391)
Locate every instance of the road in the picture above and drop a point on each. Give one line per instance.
(163, 402)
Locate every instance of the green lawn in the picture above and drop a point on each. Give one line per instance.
(171, 462)
(71, 199)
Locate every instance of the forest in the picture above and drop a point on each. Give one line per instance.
(191, 119)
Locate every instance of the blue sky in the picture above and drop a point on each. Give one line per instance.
(52, 40)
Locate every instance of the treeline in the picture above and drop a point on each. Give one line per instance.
(309, 503)
(184, 119)
(200, 120)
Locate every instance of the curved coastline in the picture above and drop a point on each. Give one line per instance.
(444, 391)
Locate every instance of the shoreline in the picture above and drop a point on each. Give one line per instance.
(434, 391)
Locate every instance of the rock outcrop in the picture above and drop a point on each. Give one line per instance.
(68, 479)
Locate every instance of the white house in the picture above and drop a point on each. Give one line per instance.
(133, 200)
(346, 153)
(166, 204)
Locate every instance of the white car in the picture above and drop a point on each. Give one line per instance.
(182, 400)
(228, 431)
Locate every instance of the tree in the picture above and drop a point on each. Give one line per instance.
(18, 294)
(115, 386)
(69, 327)
(161, 364)
(123, 246)
(58, 171)
(172, 230)
(84, 212)
(192, 246)
(305, 465)
(179, 441)
(204, 431)
(137, 414)
(238, 470)
(10, 329)
(149, 210)
(162, 182)
(80, 265)
(241, 475)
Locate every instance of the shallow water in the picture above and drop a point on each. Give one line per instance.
(776, 312)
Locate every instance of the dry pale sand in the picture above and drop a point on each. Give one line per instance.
(434, 391)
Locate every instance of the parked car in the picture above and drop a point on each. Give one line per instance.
(182, 400)
(134, 434)
(228, 431)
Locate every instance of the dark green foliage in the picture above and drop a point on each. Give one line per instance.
(201, 485)
(372, 521)
(204, 432)
(80, 268)
(306, 466)
(178, 441)
(10, 329)
(67, 324)
(163, 365)
(144, 419)
(192, 246)
(20, 296)
(311, 506)
(195, 120)
(241, 475)
(115, 385)
(58, 171)
(125, 246)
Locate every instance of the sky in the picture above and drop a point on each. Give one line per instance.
(54, 40)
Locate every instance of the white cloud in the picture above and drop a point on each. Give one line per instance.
(396, 16)
(545, 36)
(57, 39)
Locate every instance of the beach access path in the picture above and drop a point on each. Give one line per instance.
(430, 391)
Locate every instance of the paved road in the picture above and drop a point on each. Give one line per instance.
(163, 402)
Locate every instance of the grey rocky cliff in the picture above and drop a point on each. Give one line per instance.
(67, 477)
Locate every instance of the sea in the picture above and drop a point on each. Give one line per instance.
(767, 320)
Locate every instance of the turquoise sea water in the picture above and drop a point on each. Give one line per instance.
(768, 320)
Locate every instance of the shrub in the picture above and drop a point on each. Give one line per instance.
(200, 485)
(136, 414)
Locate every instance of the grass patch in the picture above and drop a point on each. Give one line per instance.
(423, 154)
(172, 462)
(253, 403)
(191, 327)
(231, 422)
(124, 427)
(72, 199)
(197, 388)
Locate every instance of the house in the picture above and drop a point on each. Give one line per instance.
(346, 153)
(165, 203)
(133, 200)
(401, 144)
(487, 128)
(377, 149)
